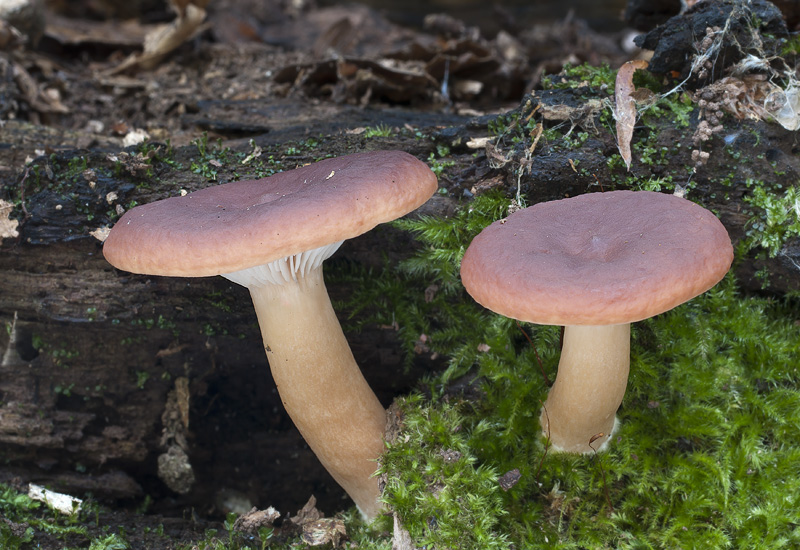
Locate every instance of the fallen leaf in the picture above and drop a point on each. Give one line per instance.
(254, 519)
(308, 513)
(161, 41)
(324, 531)
(43, 101)
(625, 111)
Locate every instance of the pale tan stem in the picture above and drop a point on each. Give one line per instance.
(321, 385)
(589, 387)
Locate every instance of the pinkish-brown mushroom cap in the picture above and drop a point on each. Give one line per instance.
(242, 224)
(597, 259)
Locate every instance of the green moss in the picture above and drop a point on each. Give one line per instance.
(774, 216)
(437, 161)
(598, 77)
(75, 167)
(676, 108)
(209, 159)
(791, 46)
(708, 454)
(29, 517)
(381, 130)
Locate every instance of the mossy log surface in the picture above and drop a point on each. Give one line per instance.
(92, 354)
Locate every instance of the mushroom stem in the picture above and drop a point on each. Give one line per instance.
(321, 385)
(591, 380)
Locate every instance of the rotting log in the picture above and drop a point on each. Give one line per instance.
(94, 359)
(104, 372)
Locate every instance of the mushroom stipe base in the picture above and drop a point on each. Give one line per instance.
(595, 447)
(590, 384)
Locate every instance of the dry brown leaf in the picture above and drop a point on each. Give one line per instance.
(161, 41)
(625, 111)
(307, 513)
(43, 101)
(81, 32)
(254, 519)
(180, 5)
(10, 37)
(324, 531)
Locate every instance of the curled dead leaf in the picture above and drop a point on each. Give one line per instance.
(625, 107)
(254, 519)
(307, 513)
(162, 40)
(324, 531)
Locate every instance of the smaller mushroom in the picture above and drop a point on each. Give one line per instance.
(272, 236)
(595, 263)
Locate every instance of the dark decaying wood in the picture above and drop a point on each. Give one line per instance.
(103, 372)
(91, 355)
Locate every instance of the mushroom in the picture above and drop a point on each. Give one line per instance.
(594, 264)
(272, 235)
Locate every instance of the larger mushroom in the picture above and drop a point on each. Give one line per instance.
(272, 235)
(594, 264)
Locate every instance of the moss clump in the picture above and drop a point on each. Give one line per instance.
(600, 77)
(708, 454)
(774, 216)
(22, 519)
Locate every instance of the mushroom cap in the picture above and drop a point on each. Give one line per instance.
(597, 259)
(243, 224)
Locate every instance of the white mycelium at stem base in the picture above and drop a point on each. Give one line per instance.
(318, 379)
(589, 387)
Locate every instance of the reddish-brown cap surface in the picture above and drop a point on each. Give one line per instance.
(597, 259)
(243, 224)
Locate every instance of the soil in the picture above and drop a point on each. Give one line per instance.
(259, 73)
